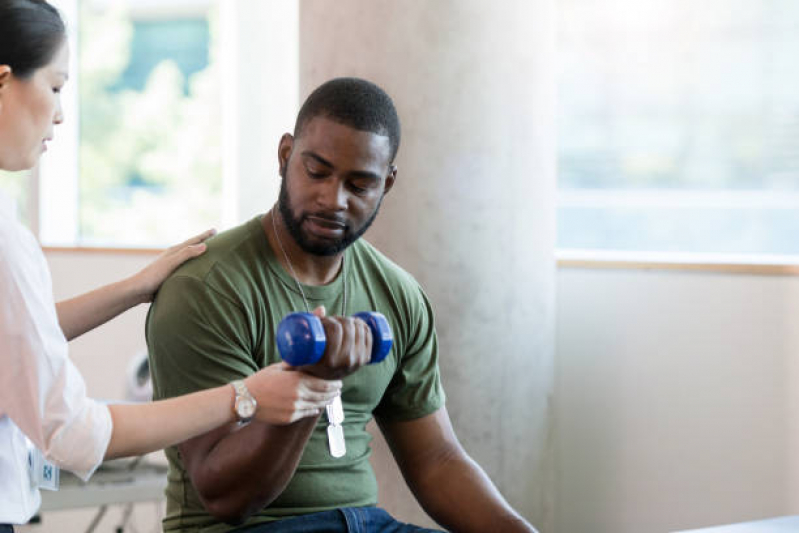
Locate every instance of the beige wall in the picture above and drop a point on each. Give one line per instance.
(676, 399)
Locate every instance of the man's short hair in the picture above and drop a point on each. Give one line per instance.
(356, 103)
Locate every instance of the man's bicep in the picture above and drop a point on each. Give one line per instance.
(420, 443)
(196, 338)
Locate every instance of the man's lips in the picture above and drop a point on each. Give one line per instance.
(325, 227)
(327, 222)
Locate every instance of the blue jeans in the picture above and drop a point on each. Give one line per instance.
(5, 528)
(345, 520)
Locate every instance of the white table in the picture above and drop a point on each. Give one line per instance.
(783, 524)
(145, 483)
(110, 485)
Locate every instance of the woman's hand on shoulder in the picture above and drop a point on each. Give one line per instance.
(149, 279)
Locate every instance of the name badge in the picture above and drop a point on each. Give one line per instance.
(44, 474)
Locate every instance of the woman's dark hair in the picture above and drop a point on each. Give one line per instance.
(31, 31)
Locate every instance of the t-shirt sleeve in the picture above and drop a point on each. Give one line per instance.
(197, 338)
(415, 390)
(43, 392)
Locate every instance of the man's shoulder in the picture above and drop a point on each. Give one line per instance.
(388, 278)
(228, 252)
(373, 259)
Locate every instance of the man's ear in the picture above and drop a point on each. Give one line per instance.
(284, 152)
(390, 179)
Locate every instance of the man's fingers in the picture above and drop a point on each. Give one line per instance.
(364, 342)
(348, 347)
(334, 333)
(348, 342)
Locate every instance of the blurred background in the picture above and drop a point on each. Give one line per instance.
(600, 198)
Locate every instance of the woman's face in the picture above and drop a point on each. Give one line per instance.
(29, 109)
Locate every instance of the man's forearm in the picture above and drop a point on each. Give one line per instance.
(461, 497)
(246, 469)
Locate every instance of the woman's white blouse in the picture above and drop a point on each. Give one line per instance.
(42, 395)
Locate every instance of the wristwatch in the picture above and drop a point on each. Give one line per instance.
(244, 405)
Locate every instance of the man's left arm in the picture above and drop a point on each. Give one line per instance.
(450, 485)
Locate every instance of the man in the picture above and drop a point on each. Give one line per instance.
(215, 319)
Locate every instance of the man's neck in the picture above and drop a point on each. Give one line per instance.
(308, 268)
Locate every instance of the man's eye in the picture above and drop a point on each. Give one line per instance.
(56, 90)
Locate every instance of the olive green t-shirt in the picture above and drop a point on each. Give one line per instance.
(214, 320)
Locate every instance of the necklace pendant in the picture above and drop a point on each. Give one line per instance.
(335, 431)
(335, 440)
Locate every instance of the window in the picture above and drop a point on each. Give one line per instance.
(155, 147)
(150, 163)
(679, 126)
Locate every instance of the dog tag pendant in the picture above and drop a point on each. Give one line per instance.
(335, 438)
(335, 432)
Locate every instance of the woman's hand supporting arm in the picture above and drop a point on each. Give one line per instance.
(146, 427)
(283, 395)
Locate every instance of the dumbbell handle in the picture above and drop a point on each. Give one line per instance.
(301, 337)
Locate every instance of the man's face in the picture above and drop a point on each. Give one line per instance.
(334, 179)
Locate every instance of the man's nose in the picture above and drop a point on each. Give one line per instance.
(333, 196)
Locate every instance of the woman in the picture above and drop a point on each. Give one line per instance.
(42, 396)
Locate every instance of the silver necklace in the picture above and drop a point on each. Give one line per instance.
(294, 274)
(334, 410)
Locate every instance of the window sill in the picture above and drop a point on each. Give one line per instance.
(101, 250)
(762, 265)
(765, 265)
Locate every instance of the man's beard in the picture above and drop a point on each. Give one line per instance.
(328, 247)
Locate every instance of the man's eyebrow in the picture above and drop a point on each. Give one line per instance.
(64, 74)
(318, 158)
(365, 174)
(354, 173)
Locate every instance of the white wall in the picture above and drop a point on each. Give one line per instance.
(676, 400)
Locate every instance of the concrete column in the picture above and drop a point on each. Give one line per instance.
(472, 215)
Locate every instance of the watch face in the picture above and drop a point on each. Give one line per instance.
(245, 408)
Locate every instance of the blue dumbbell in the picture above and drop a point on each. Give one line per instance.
(301, 337)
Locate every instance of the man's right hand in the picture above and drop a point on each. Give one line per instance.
(348, 348)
